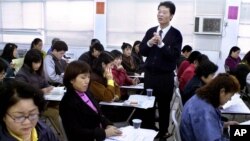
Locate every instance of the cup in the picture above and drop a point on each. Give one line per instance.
(149, 92)
(136, 123)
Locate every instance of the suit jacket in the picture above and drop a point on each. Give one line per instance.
(162, 60)
(79, 120)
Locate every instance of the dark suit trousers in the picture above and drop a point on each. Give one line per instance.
(162, 85)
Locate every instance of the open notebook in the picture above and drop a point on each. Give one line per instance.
(55, 94)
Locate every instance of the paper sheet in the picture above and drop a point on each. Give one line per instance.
(235, 105)
(131, 134)
(245, 123)
(140, 101)
(17, 63)
(56, 94)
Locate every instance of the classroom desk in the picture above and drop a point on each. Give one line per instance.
(137, 101)
(235, 106)
(134, 101)
(245, 123)
(139, 86)
(129, 133)
(136, 76)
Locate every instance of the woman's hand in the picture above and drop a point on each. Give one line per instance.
(228, 123)
(116, 98)
(120, 67)
(112, 131)
(135, 81)
(12, 65)
(47, 89)
(108, 74)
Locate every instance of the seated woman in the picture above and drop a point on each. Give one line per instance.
(128, 62)
(32, 71)
(190, 71)
(204, 73)
(37, 43)
(184, 65)
(201, 117)
(102, 84)
(9, 53)
(120, 75)
(233, 59)
(137, 56)
(242, 70)
(80, 113)
(21, 105)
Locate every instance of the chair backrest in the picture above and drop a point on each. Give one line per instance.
(178, 95)
(227, 69)
(176, 120)
(176, 101)
(62, 128)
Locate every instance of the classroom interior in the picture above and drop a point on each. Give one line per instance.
(209, 26)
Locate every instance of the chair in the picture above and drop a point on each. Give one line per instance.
(176, 120)
(178, 95)
(227, 69)
(176, 111)
(62, 128)
(176, 100)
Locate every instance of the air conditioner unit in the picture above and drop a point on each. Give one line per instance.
(208, 25)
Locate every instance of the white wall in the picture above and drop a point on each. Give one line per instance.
(216, 47)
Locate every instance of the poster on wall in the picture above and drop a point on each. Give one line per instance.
(233, 12)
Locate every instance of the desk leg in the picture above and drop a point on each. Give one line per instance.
(130, 116)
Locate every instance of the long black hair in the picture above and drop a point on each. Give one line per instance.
(8, 52)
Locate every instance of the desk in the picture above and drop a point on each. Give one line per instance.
(235, 106)
(137, 101)
(139, 86)
(56, 94)
(143, 102)
(131, 134)
(245, 123)
(136, 76)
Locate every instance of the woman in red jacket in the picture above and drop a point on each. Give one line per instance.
(120, 75)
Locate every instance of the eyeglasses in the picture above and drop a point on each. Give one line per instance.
(21, 119)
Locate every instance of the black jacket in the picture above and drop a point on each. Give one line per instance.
(162, 60)
(79, 120)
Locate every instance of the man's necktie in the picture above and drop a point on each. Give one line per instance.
(160, 33)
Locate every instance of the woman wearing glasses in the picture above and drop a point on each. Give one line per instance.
(21, 106)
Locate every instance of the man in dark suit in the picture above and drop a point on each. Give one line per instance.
(162, 47)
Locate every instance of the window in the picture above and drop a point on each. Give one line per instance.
(72, 21)
(19, 24)
(244, 27)
(24, 20)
